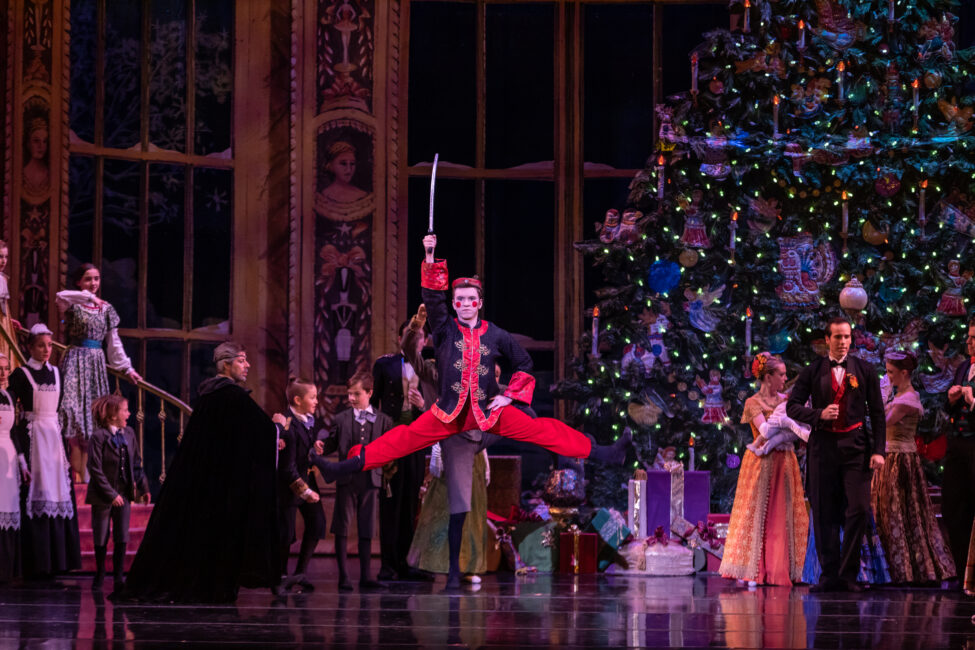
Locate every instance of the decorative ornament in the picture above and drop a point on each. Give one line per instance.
(959, 118)
(836, 27)
(648, 408)
(799, 157)
(656, 325)
(884, 49)
(694, 234)
(946, 364)
(888, 183)
(872, 235)
(697, 306)
(938, 39)
(952, 303)
(714, 411)
(631, 227)
(667, 140)
(769, 60)
(804, 268)
(762, 213)
(932, 79)
(688, 258)
(809, 99)
(663, 276)
(853, 297)
(733, 461)
(716, 86)
(778, 342)
(713, 153)
(954, 211)
(610, 228)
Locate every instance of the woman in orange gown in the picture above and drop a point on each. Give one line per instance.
(769, 525)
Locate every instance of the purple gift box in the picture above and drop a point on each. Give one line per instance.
(697, 497)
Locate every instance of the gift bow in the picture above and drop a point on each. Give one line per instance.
(708, 533)
(659, 537)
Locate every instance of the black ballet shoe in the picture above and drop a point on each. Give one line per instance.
(331, 471)
(613, 454)
(345, 585)
(371, 585)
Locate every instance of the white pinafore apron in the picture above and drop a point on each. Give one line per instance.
(9, 469)
(49, 493)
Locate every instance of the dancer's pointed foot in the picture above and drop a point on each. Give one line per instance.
(615, 453)
(334, 470)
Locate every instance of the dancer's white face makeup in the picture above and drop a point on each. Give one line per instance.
(467, 303)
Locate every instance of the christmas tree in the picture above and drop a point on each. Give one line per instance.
(823, 148)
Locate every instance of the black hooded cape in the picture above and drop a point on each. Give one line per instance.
(214, 526)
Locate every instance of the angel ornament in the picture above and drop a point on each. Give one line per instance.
(714, 411)
(697, 307)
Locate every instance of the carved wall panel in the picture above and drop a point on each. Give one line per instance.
(339, 198)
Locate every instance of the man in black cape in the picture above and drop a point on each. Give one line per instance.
(214, 526)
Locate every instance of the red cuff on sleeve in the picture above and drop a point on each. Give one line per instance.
(434, 276)
(521, 387)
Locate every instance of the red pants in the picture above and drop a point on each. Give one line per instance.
(426, 430)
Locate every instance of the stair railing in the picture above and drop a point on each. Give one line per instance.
(166, 400)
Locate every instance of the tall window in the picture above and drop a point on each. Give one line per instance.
(152, 173)
(542, 113)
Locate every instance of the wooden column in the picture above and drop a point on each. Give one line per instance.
(343, 273)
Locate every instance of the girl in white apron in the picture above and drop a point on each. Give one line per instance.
(9, 484)
(50, 539)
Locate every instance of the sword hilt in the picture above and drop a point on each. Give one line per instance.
(430, 250)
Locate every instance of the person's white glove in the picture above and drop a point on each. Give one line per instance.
(436, 461)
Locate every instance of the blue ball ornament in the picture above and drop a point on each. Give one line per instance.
(664, 276)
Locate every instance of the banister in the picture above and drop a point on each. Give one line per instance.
(142, 387)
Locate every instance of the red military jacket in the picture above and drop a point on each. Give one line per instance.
(466, 356)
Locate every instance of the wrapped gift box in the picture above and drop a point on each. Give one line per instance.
(636, 512)
(720, 522)
(691, 492)
(578, 552)
(537, 544)
(610, 527)
(672, 559)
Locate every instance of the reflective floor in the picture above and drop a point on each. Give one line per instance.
(540, 611)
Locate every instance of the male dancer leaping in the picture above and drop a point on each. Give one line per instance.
(466, 351)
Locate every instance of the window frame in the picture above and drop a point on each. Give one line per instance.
(568, 173)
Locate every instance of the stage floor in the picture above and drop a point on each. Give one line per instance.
(539, 611)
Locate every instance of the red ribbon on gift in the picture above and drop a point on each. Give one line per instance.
(659, 537)
(708, 533)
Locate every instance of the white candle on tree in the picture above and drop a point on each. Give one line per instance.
(661, 176)
(595, 332)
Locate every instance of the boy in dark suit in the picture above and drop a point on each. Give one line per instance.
(117, 479)
(359, 494)
(843, 451)
(297, 489)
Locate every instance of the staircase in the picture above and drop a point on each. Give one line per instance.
(137, 528)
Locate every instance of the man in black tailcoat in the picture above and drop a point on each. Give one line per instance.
(958, 489)
(843, 450)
